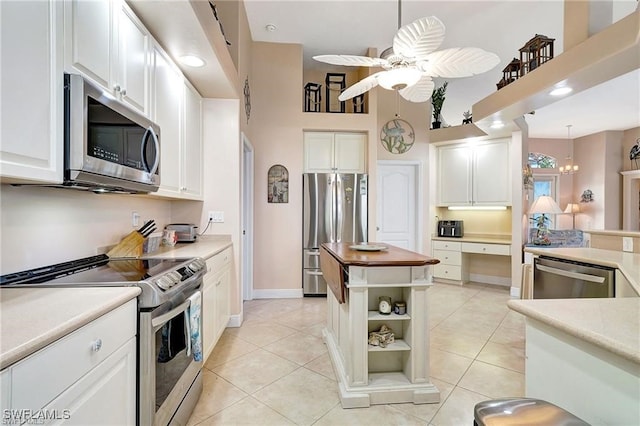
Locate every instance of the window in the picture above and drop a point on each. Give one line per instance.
(545, 185)
(542, 161)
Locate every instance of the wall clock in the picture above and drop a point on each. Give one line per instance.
(397, 136)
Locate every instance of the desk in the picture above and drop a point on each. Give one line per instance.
(454, 260)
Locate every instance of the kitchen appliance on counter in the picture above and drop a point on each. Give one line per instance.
(169, 376)
(450, 228)
(109, 147)
(555, 278)
(334, 210)
(186, 232)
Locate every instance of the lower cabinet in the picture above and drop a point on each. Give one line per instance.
(454, 265)
(216, 308)
(86, 377)
(624, 287)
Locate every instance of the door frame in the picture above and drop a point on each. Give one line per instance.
(247, 218)
(418, 166)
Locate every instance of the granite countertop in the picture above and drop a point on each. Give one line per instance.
(32, 318)
(205, 247)
(627, 263)
(611, 324)
(485, 239)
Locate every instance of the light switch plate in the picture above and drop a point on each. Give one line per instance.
(627, 244)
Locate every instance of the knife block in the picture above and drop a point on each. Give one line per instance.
(129, 246)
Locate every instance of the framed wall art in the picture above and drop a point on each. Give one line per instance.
(278, 184)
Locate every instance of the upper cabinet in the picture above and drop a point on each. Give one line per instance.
(328, 152)
(474, 175)
(31, 106)
(105, 42)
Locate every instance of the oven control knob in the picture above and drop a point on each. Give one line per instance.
(164, 282)
(196, 265)
(175, 277)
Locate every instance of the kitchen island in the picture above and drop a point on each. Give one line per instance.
(368, 374)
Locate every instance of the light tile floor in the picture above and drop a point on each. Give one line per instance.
(275, 369)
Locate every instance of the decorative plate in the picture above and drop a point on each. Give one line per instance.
(368, 247)
(397, 136)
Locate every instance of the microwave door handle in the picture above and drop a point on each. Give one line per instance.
(570, 274)
(151, 132)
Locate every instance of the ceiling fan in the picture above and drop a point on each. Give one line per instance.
(413, 61)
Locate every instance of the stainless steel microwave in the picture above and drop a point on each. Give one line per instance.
(109, 147)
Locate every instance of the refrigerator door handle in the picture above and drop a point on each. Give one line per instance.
(339, 208)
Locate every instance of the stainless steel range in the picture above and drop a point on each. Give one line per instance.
(169, 349)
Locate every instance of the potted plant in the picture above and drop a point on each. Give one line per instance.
(542, 237)
(437, 99)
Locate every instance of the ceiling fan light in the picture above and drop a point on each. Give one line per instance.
(399, 78)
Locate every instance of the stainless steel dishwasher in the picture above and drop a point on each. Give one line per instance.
(555, 278)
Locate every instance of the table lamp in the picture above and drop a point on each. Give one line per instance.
(573, 208)
(543, 205)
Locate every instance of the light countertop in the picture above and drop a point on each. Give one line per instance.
(205, 247)
(627, 263)
(608, 323)
(32, 318)
(484, 239)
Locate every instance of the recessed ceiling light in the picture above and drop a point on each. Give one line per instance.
(497, 125)
(270, 27)
(192, 61)
(559, 91)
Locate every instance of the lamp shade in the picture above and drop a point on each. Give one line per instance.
(572, 208)
(399, 78)
(545, 204)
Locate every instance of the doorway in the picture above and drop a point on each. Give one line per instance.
(247, 219)
(399, 204)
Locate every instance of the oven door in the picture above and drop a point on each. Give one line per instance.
(167, 375)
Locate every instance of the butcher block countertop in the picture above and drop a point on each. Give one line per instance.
(391, 256)
(32, 318)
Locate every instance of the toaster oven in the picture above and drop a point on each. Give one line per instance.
(186, 232)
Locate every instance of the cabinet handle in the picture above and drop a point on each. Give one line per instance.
(117, 88)
(218, 283)
(97, 345)
(484, 249)
(123, 92)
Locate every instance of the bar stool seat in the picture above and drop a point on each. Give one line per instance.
(522, 412)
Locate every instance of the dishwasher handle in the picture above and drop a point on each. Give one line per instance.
(570, 274)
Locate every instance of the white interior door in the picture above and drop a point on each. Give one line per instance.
(398, 204)
(247, 219)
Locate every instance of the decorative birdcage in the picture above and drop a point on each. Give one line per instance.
(335, 83)
(510, 73)
(535, 52)
(312, 97)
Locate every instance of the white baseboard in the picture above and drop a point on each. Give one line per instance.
(515, 292)
(490, 279)
(235, 320)
(278, 294)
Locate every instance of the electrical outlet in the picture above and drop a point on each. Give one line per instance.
(627, 243)
(211, 214)
(135, 219)
(216, 216)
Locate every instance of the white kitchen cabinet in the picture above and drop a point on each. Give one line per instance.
(327, 152)
(88, 373)
(31, 105)
(451, 261)
(216, 299)
(107, 43)
(474, 175)
(624, 287)
(177, 110)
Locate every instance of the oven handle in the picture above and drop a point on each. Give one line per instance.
(570, 274)
(158, 321)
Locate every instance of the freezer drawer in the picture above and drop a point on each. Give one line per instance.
(311, 259)
(313, 282)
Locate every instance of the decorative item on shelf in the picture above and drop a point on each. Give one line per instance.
(358, 104)
(278, 184)
(468, 119)
(384, 305)
(587, 196)
(399, 308)
(634, 153)
(542, 206)
(527, 178)
(535, 52)
(312, 97)
(437, 100)
(247, 99)
(397, 136)
(382, 337)
(572, 209)
(569, 168)
(510, 73)
(335, 83)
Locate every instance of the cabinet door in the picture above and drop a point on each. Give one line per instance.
(192, 153)
(623, 286)
(31, 83)
(89, 39)
(349, 152)
(318, 152)
(5, 389)
(133, 59)
(222, 301)
(492, 174)
(168, 94)
(454, 175)
(208, 312)
(105, 395)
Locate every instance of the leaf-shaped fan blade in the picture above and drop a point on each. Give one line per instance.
(419, 92)
(360, 87)
(458, 62)
(419, 38)
(351, 60)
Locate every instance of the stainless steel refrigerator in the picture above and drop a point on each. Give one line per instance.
(334, 209)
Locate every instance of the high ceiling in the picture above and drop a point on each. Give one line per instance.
(501, 27)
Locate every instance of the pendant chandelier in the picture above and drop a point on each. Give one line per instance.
(569, 168)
